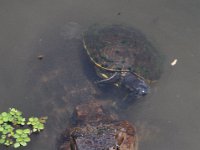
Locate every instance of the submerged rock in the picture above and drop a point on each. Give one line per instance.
(95, 128)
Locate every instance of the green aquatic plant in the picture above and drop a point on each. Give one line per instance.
(5, 117)
(22, 137)
(13, 116)
(7, 131)
(16, 117)
(15, 130)
(36, 123)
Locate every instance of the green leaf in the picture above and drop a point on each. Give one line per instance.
(24, 135)
(12, 109)
(36, 119)
(19, 131)
(22, 123)
(28, 131)
(16, 145)
(27, 139)
(23, 143)
(30, 119)
(2, 141)
(5, 118)
(16, 136)
(41, 126)
(1, 129)
(12, 113)
(34, 130)
(10, 119)
(20, 139)
(7, 126)
(18, 113)
(4, 114)
(5, 132)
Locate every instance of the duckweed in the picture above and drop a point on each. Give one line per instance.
(15, 131)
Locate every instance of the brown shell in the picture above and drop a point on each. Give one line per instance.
(121, 48)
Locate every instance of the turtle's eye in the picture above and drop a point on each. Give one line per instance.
(142, 90)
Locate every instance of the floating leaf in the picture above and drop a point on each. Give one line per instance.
(1, 121)
(27, 139)
(2, 141)
(24, 135)
(16, 136)
(1, 129)
(20, 139)
(4, 114)
(5, 118)
(28, 131)
(16, 145)
(19, 131)
(34, 130)
(41, 126)
(23, 143)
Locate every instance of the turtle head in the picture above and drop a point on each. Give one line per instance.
(135, 84)
(142, 88)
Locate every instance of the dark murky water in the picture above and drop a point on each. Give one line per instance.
(167, 119)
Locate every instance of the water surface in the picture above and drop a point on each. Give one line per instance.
(167, 119)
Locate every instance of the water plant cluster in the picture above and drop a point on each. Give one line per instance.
(15, 130)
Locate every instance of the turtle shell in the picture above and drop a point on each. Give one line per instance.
(121, 48)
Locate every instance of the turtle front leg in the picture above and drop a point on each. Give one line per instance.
(113, 79)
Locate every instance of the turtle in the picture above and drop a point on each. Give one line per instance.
(123, 56)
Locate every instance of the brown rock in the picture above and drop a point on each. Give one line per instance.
(98, 129)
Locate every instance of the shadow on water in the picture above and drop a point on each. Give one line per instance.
(61, 77)
(57, 81)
